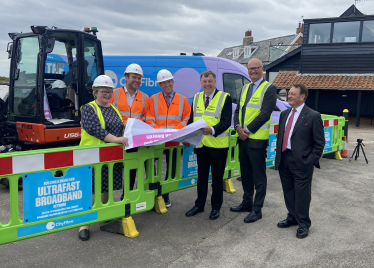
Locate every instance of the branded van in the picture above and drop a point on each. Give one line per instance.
(231, 76)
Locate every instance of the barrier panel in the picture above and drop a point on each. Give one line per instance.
(56, 203)
(334, 136)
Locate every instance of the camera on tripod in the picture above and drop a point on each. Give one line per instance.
(359, 145)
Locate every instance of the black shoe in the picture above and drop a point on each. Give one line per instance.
(253, 216)
(214, 214)
(286, 223)
(84, 234)
(302, 232)
(239, 178)
(167, 202)
(193, 211)
(241, 208)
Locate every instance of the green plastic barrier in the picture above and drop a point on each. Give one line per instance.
(136, 201)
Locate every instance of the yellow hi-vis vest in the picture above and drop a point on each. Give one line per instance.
(253, 109)
(212, 116)
(87, 139)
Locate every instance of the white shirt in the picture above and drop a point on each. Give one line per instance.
(130, 99)
(295, 117)
(210, 99)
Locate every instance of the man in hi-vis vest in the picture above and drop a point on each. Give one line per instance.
(214, 107)
(252, 122)
(131, 102)
(168, 110)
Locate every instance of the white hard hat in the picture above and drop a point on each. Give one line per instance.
(164, 75)
(134, 68)
(103, 81)
(58, 84)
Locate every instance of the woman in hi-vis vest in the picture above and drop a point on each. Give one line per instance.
(101, 122)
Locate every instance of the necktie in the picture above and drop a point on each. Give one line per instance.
(287, 131)
(168, 100)
(206, 102)
(248, 97)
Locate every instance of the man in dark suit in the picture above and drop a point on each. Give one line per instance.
(214, 107)
(300, 144)
(252, 122)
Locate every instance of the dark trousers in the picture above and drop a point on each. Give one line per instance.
(297, 189)
(253, 173)
(173, 167)
(218, 163)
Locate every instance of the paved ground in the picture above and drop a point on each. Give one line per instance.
(342, 232)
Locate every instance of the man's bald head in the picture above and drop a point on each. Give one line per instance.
(255, 69)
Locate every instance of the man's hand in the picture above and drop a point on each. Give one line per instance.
(207, 131)
(186, 144)
(243, 133)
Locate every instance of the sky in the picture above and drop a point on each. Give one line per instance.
(167, 27)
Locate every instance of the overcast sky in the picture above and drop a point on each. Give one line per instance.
(168, 27)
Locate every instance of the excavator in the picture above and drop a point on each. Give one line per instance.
(36, 114)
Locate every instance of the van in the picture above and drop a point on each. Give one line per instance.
(231, 76)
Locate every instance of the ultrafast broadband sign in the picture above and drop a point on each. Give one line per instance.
(189, 163)
(46, 196)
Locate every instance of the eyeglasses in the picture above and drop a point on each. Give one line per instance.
(104, 92)
(254, 68)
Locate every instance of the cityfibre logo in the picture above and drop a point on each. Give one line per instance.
(51, 225)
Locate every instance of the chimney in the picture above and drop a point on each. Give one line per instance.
(248, 38)
(300, 29)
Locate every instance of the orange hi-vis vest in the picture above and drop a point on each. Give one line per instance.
(138, 107)
(176, 116)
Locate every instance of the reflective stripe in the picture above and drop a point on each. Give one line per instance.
(180, 106)
(184, 123)
(149, 118)
(251, 105)
(153, 124)
(266, 126)
(170, 127)
(174, 117)
(197, 97)
(186, 118)
(224, 134)
(162, 117)
(217, 113)
(125, 113)
(116, 98)
(156, 108)
(143, 99)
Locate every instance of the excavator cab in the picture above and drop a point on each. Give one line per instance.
(39, 114)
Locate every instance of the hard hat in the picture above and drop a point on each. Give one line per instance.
(164, 75)
(58, 84)
(103, 81)
(134, 68)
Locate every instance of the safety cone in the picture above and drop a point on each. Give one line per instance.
(344, 152)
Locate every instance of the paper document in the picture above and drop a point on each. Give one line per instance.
(141, 134)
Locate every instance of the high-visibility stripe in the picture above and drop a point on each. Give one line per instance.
(116, 98)
(125, 113)
(180, 107)
(149, 118)
(86, 156)
(184, 123)
(28, 163)
(224, 134)
(152, 125)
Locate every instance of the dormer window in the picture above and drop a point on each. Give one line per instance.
(235, 52)
(248, 51)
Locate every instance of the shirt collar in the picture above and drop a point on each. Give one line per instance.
(170, 95)
(258, 82)
(298, 109)
(126, 91)
(210, 96)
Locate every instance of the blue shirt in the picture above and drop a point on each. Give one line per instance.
(171, 95)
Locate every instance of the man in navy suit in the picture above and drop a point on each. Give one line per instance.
(300, 144)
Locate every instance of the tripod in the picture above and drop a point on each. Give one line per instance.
(357, 151)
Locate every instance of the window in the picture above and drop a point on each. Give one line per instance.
(368, 31)
(319, 33)
(345, 32)
(248, 51)
(24, 101)
(233, 84)
(229, 54)
(235, 53)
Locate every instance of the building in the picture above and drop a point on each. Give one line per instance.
(265, 50)
(335, 62)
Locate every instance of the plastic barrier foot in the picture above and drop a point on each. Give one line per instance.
(124, 226)
(338, 156)
(228, 186)
(129, 227)
(160, 205)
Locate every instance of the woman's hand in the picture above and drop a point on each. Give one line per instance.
(123, 140)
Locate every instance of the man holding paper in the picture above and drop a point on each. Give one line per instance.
(168, 110)
(214, 107)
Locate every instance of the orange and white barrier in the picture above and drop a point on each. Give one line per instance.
(344, 152)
